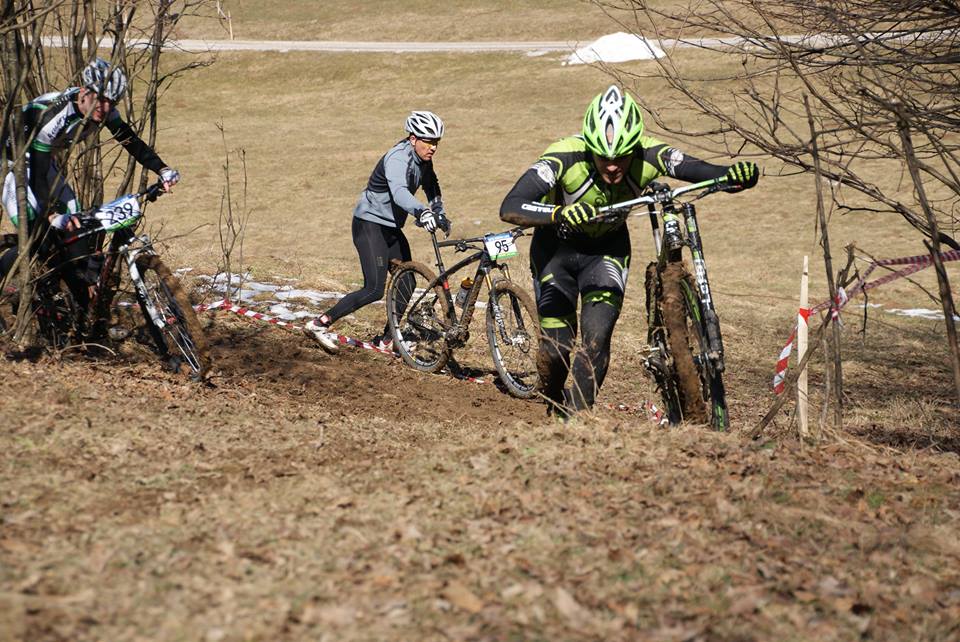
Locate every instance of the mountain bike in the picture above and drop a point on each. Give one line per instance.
(685, 347)
(171, 326)
(426, 326)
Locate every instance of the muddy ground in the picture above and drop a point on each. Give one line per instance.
(303, 496)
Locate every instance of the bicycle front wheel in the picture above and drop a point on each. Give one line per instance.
(177, 334)
(418, 313)
(699, 383)
(513, 332)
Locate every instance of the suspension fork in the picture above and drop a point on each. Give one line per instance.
(711, 320)
(131, 255)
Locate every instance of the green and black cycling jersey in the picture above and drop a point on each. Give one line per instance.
(53, 123)
(565, 174)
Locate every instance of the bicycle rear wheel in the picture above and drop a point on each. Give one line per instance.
(418, 317)
(514, 338)
(699, 385)
(178, 337)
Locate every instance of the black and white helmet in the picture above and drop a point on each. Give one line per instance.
(425, 124)
(109, 82)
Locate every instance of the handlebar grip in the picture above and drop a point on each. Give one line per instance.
(153, 192)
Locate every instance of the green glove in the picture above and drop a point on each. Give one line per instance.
(743, 174)
(574, 216)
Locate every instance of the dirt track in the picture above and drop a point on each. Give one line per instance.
(315, 497)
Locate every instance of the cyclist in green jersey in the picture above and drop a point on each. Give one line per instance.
(573, 255)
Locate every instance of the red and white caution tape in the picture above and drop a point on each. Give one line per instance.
(913, 263)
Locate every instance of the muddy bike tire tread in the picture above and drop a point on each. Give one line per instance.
(675, 313)
(438, 353)
(187, 317)
(513, 293)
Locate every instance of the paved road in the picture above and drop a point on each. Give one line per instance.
(547, 46)
(333, 46)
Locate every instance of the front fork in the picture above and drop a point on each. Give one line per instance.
(711, 320)
(131, 255)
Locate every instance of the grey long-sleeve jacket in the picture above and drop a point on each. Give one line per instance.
(389, 196)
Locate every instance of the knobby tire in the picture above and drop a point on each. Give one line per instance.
(181, 341)
(514, 356)
(418, 329)
(693, 390)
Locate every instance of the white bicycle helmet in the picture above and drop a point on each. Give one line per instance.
(109, 82)
(424, 124)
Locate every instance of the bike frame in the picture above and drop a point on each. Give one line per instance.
(123, 242)
(457, 334)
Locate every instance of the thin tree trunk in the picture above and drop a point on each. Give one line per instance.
(933, 245)
(13, 62)
(828, 264)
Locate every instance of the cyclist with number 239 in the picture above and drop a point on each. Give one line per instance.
(576, 254)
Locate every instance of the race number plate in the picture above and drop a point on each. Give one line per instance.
(500, 246)
(118, 214)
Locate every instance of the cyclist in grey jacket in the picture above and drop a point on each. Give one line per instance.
(379, 217)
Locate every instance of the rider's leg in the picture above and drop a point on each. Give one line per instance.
(557, 335)
(602, 281)
(398, 250)
(553, 265)
(597, 320)
(374, 254)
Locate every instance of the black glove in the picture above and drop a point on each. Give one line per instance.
(574, 216)
(742, 175)
(443, 223)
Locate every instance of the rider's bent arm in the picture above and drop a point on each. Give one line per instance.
(431, 186)
(674, 163)
(522, 205)
(124, 134)
(395, 169)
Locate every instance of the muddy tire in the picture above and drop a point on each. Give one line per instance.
(179, 341)
(515, 346)
(683, 341)
(690, 382)
(418, 317)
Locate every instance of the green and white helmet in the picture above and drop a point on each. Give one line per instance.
(613, 124)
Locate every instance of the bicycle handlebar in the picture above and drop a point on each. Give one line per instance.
(662, 194)
(462, 245)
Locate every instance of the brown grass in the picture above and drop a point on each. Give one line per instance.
(416, 20)
(307, 497)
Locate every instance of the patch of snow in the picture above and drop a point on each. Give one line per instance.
(615, 47)
(919, 313)
(283, 312)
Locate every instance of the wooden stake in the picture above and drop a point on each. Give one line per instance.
(802, 398)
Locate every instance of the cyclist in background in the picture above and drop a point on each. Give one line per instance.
(574, 256)
(379, 216)
(54, 122)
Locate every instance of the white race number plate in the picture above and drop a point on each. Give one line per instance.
(500, 246)
(120, 213)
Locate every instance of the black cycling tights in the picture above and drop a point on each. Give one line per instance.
(597, 320)
(71, 260)
(377, 246)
